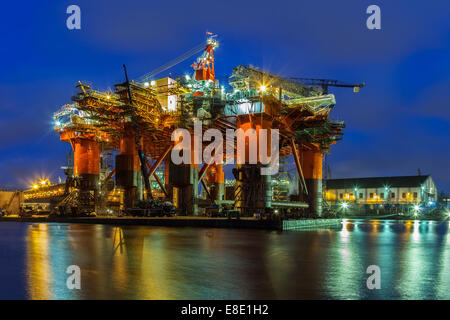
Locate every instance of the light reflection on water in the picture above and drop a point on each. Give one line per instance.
(189, 263)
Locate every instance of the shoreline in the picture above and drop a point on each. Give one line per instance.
(397, 217)
(207, 222)
(183, 221)
(243, 223)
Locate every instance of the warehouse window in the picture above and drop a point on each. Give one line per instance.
(392, 195)
(371, 195)
(415, 195)
(382, 195)
(341, 196)
(360, 195)
(403, 195)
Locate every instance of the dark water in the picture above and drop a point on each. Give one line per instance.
(187, 263)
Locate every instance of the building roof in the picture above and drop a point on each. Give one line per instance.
(377, 182)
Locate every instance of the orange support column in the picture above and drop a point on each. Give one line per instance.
(128, 176)
(312, 170)
(86, 162)
(253, 192)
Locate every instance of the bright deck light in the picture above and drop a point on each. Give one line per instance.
(263, 88)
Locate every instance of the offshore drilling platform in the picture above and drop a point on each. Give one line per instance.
(131, 128)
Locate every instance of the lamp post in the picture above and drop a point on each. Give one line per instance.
(262, 89)
(416, 209)
(344, 206)
(387, 191)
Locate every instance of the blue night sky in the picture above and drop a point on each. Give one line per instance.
(398, 123)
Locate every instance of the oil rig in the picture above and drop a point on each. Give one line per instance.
(131, 128)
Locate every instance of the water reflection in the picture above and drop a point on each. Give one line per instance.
(183, 263)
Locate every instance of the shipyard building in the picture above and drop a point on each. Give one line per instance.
(397, 191)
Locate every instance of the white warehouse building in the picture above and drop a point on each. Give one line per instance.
(401, 190)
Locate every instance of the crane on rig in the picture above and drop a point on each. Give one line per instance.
(204, 67)
(325, 83)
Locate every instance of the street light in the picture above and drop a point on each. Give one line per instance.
(344, 206)
(416, 210)
(263, 88)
